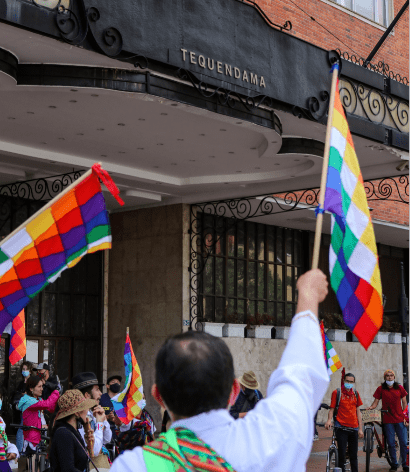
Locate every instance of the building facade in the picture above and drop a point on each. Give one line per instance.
(211, 118)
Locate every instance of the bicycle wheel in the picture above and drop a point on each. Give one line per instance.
(368, 446)
(332, 459)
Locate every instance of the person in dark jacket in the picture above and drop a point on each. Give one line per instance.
(248, 396)
(51, 383)
(68, 451)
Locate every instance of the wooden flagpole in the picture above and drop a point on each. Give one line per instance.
(319, 218)
(48, 205)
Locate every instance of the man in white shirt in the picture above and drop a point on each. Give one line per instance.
(195, 382)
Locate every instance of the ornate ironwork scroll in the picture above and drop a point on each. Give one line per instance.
(43, 189)
(374, 105)
(381, 67)
(203, 240)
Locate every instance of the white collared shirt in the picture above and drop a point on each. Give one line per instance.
(277, 434)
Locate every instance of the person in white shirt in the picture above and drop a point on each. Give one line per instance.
(195, 382)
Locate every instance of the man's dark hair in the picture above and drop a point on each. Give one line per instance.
(32, 382)
(87, 390)
(194, 373)
(350, 375)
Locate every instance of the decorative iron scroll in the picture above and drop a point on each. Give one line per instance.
(374, 105)
(203, 240)
(231, 99)
(40, 189)
(381, 67)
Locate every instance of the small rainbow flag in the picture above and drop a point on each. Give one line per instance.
(18, 338)
(331, 358)
(353, 260)
(126, 403)
(54, 239)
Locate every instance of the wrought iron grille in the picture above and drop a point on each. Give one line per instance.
(215, 232)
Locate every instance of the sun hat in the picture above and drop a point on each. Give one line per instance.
(248, 380)
(389, 371)
(73, 401)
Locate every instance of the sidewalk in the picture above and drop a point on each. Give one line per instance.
(317, 460)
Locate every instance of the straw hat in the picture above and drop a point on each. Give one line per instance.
(248, 380)
(73, 401)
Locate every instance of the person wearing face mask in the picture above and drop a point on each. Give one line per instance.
(113, 388)
(248, 396)
(20, 390)
(68, 451)
(139, 431)
(393, 397)
(345, 411)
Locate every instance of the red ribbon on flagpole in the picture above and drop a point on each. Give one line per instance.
(108, 182)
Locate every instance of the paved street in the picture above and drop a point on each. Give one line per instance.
(317, 460)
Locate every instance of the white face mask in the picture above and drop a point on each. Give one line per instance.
(390, 382)
(142, 404)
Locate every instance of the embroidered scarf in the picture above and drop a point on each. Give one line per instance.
(194, 454)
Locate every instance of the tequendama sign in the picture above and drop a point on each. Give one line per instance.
(192, 58)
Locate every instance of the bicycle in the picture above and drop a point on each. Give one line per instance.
(370, 418)
(41, 462)
(332, 459)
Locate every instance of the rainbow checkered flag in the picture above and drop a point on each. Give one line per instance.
(17, 331)
(126, 403)
(73, 224)
(353, 260)
(331, 358)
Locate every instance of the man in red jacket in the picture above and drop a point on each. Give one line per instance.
(393, 397)
(348, 420)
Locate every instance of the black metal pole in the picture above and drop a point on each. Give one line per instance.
(404, 312)
(386, 33)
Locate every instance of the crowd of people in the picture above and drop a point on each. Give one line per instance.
(209, 416)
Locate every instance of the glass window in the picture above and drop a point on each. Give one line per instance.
(375, 10)
(254, 279)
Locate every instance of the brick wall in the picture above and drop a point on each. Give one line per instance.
(354, 32)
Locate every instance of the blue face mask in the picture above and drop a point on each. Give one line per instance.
(349, 385)
(1, 404)
(143, 404)
(25, 373)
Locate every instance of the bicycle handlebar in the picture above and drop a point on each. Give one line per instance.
(27, 428)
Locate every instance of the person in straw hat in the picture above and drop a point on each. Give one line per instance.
(248, 396)
(68, 450)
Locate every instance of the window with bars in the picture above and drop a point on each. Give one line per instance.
(375, 10)
(251, 272)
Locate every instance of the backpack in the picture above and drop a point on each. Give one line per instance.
(338, 395)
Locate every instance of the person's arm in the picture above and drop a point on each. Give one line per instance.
(98, 437)
(12, 451)
(373, 405)
(279, 429)
(49, 404)
(328, 423)
(107, 434)
(359, 419)
(404, 403)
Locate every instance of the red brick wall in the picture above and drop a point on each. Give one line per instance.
(354, 32)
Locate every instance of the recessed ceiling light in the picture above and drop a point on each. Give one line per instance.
(94, 95)
(100, 129)
(121, 124)
(222, 129)
(141, 119)
(73, 101)
(30, 112)
(52, 106)
(74, 90)
(164, 114)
